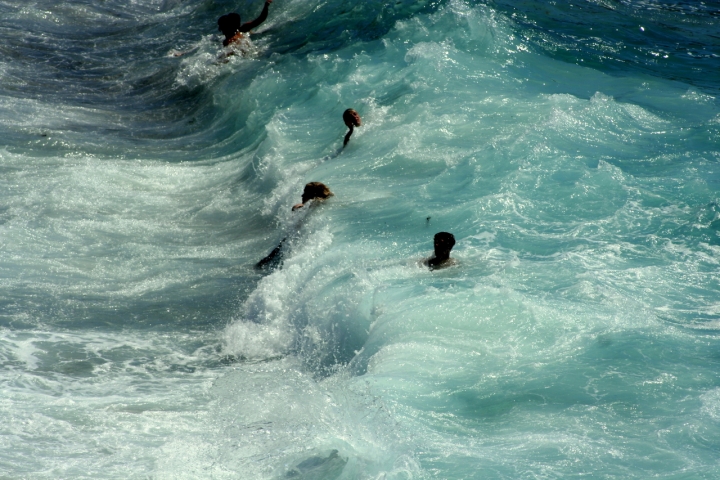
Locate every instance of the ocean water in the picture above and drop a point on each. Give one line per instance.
(572, 148)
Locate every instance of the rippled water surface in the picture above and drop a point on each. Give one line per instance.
(572, 148)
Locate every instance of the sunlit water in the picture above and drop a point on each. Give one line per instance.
(572, 149)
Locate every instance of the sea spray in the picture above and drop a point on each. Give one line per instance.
(576, 168)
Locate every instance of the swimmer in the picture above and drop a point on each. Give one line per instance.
(230, 25)
(352, 119)
(444, 242)
(313, 191)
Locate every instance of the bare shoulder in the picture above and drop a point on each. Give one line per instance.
(450, 262)
(433, 265)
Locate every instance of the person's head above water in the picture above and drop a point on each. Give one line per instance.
(352, 119)
(229, 24)
(312, 191)
(315, 190)
(443, 242)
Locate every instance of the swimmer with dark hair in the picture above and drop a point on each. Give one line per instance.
(444, 242)
(352, 119)
(313, 192)
(233, 30)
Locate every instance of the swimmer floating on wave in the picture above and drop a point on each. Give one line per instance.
(314, 192)
(233, 30)
(444, 242)
(230, 25)
(352, 119)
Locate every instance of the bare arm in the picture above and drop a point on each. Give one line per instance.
(246, 27)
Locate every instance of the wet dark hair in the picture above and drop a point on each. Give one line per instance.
(447, 239)
(316, 190)
(351, 118)
(229, 24)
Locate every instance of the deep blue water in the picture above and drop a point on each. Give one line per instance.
(572, 148)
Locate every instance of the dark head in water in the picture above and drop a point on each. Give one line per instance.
(229, 24)
(443, 242)
(352, 119)
(233, 29)
(314, 191)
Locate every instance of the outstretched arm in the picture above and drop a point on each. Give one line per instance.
(246, 27)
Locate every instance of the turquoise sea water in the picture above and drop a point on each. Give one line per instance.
(573, 148)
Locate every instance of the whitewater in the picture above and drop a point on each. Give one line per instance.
(572, 148)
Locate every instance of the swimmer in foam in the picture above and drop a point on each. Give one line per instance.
(313, 194)
(313, 191)
(352, 119)
(233, 30)
(444, 242)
